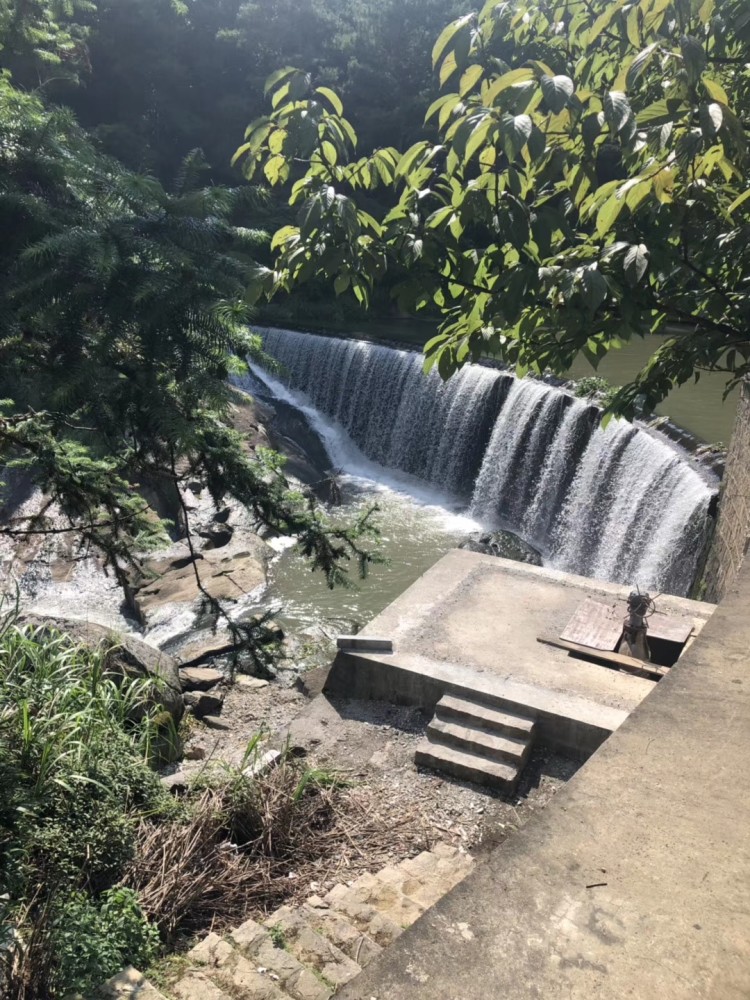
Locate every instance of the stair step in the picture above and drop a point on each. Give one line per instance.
(379, 926)
(311, 948)
(196, 986)
(452, 708)
(231, 970)
(430, 877)
(388, 898)
(341, 932)
(466, 766)
(480, 741)
(255, 943)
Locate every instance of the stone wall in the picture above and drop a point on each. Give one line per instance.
(732, 536)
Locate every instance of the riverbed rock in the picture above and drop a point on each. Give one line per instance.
(250, 683)
(200, 678)
(504, 544)
(214, 722)
(227, 574)
(203, 703)
(127, 656)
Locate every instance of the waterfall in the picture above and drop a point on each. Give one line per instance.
(613, 503)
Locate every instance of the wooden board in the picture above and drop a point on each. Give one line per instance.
(618, 660)
(594, 624)
(599, 625)
(667, 627)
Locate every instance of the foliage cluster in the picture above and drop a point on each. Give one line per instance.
(589, 184)
(75, 778)
(99, 866)
(122, 318)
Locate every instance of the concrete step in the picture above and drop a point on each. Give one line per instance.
(474, 713)
(197, 986)
(381, 927)
(229, 970)
(341, 932)
(310, 947)
(387, 898)
(480, 741)
(466, 766)
(256, 944)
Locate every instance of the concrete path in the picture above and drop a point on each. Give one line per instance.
(634, 882)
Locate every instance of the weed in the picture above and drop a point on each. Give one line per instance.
(278, 938)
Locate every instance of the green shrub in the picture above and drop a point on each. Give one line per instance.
(93, 940)
(597, 388)
(76, 780)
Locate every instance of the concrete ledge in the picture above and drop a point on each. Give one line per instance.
(634, 882)
(366, 643)
(565, 722)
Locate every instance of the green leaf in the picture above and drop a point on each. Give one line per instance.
(639, 64)
(469, 79)
(507, 80)
(617, 110)
(448, 68)
(278, 77)
(716, 91)
(694, 56)
(557, 91)
(447, 35)
(440, 103)
(739, 201)
(276, 170)
(333, 99)
(595, 286)
(636, 262)
(341, 283)
(711, 117)
(515, 131)
(660, 112)
(608, 213)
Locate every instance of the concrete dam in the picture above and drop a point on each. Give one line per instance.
(615, 503)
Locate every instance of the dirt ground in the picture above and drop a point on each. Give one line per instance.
(371, 745)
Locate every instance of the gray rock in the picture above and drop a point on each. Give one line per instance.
(127, 656)
(204, 704)
(176, 783)
(251, 683)
(313, 682)
(228, 573)
(200, 678)
(504, 544)
(214, 722)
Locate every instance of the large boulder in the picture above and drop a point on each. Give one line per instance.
(126, 656)
(504, 544)
(228, 573)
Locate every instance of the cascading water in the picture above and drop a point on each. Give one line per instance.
(615, 503)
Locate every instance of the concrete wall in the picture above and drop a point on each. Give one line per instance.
(732, 536)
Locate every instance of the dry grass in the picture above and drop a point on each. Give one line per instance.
(252, 844)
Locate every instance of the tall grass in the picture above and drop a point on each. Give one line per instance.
(75, 745)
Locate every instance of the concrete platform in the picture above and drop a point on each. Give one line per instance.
(470, 625)
(634, 882)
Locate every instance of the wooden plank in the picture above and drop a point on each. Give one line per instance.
(661, 626)
(599, 625)
(595, 624)
(618, 660)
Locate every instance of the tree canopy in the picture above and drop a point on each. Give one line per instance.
(587, 182)
(122, 318)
